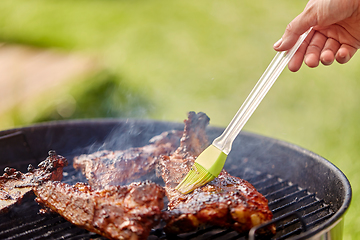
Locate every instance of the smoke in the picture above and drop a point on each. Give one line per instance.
(125, 151)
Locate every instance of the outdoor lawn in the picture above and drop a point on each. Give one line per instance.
(161, 59)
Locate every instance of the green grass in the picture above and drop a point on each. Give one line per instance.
(176, 56)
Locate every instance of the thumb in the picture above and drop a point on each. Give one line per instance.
(293, 31)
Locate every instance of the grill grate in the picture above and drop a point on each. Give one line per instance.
(285, 200)
(294, 209)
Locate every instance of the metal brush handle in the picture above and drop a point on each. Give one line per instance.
(272, 72)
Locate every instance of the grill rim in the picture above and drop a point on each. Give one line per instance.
(337, 216)
(333, 220)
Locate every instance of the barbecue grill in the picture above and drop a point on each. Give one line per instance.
(307, 194)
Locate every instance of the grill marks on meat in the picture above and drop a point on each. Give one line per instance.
(227, 201)
(194, 139)
(130, 212)
(14, 185)
(116, 212)
(104, 168)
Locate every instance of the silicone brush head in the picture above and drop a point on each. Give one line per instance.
(206, 167)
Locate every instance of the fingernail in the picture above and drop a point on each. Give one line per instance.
(343, 55)
(278, 43)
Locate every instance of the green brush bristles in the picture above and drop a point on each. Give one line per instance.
(206, 167)
(196, 177)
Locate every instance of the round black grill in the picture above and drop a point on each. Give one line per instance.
(306, 193)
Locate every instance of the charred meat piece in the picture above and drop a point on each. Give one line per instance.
(227, 201)
(105, 167)
(14, 185)
(174, 168)
(116, 212)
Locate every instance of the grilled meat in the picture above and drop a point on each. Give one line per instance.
(130, 212)
(227, 201)
(105, 167)
(173, 168)
(116, 212)
(14, 185)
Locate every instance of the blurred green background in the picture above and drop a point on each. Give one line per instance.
(161, 59)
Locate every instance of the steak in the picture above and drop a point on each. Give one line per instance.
(227, 201)
(130, 212)
(116, 212)
(103, 168)
(14, 185)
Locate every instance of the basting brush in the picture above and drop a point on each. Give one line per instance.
(210, 162)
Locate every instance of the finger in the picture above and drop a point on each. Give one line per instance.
(312, 55)
(327, 55)
(345, 53)
(296, 61)
(298, 58)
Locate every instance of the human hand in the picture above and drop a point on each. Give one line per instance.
(335, 34)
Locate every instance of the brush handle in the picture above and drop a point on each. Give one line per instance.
(272, 72)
